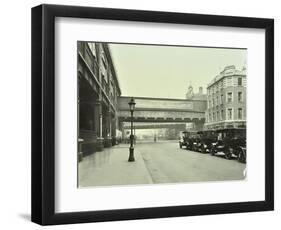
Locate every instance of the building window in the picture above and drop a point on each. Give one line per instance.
(229, 97)
(229, 114)
(214, 117)
(222, 114)
(240, 81)
(240, 113)
(93, 48)
(229, 81)
(240, 96)
(218, 115)
(103, 82)
(222, 99)
(210, 116)
(104, 63)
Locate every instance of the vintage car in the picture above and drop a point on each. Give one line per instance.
(231, 142)
(207, 139)
(187, 139)
(195, 140)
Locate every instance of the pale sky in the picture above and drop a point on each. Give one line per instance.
(167, 71)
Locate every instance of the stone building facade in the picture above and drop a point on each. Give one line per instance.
(98, 90)
(226, 100)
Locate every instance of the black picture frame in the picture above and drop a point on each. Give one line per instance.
(43, 114)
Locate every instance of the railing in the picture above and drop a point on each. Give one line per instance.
(90, 59)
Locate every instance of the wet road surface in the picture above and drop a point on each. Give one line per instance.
(166, 162)
(160, 162)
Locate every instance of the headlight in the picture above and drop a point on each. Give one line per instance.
(213, 143)
(205, 146)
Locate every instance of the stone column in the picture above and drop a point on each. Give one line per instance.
(98, 125)
(80, 140)
(108, 140)
(121, 128)
(113, 130)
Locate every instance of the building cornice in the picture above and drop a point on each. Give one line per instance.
(224, 76)
(163, 99)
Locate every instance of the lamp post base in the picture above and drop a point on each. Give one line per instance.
(131, 156)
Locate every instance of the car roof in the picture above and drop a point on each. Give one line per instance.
(231, 129)
(191, 132)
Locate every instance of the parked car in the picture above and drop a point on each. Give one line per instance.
(195, 140)
(207, 139)
(187, 139)
(232, 142)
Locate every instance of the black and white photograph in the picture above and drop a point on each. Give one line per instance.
(140, 114)
(153, 114)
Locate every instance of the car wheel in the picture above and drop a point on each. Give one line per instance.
(241, 157)
(213, 153)
(228, 154)
(180, 145)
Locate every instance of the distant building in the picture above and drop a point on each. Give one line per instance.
(190, 95)
(226, 99)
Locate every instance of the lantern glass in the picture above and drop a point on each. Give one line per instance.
(132, 104)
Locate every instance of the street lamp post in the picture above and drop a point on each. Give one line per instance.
(131, 149)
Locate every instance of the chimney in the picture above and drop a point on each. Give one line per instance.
(200, 90)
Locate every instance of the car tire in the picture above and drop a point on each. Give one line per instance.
(241, 156)
(228, 154)
(180, 145)
(213, 153)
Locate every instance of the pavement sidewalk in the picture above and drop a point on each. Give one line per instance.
(111, 167)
